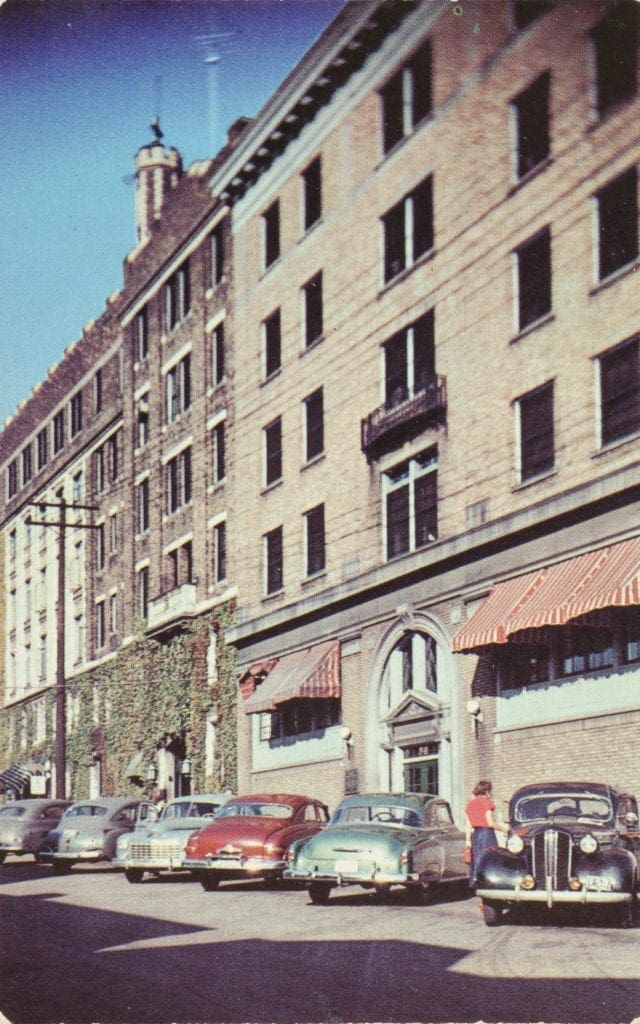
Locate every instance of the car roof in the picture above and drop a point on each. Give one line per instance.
(565, 787)
(112, 803)
(39, 801)
(294, 799)
(220, 798)
(390, 799)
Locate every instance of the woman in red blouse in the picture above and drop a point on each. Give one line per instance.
(481, 824)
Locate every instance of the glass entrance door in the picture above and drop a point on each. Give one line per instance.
(421, 768)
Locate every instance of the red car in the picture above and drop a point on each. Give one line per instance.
(250, 836)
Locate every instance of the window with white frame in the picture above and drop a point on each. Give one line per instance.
(312, 310)
(217, 254)
(113, 613)
(113, 468)
(58, 431)
(272, 452)
(12, 478)
(178, 388)
(274, 562)
(531, 117)
(272, 341)
(217, 355)
(177, 296)
(42, 445)
(408, 230)
(141, 335)
(101, 622)
(218, 455)
(219, 552)
(533, 268)
(113, 533)
(144, 519)
(617, 207)
(410, 491)
(615, 45)
(142, 592)
(100, 546)
(311, 193)
(178, 476)
(313, 407)
(535, 427)
(98, 470)
(142, 425)
(271, 233)
(315, 549)
(76, 414)
(409, 361)
(179, 565)
(619, 387)
(27, 466)
(406, 98)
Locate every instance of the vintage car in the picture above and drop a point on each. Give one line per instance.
(25, 823)
(89, 830)
(571, 843)
(379, 840)
(158, 846)
(250, 836)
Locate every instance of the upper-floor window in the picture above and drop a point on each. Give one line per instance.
(617, 207)
(113, 533)
(217, 355)
(527, 11)
(315, 554)
(78, 488)
(312, 193)
(76, 414)
(143, 592)
(219, 551)
(535, 432)
(533, 267)
(142, 424)
(314, 425)
(312, 309)
(100, 546)
(218, 452)
(217, 254)
(113, 613)
(408, 230)
(144, 519)
(58, 431)
(141, 334)
(27, 467)
(179, 481)
(271, 330)
(615, 44)
(178, 388)
(97, 390)
(409, 361)
(274, 562)
(273, 452)
(531, 115)
(101, 624)
(271, 222)
(113, 468)
(12, 478)
(619, 380)
(406, 98)
(180, 565)
(42, 447)
(178, 296)
(410, 492)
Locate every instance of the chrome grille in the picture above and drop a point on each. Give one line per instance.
(552, 859)
(153, 851)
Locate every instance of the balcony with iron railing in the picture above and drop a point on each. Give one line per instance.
(389, 426)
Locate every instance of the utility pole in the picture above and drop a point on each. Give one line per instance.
(62, 524)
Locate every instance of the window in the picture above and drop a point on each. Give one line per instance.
(113, 613)
(112, 458)
(143, 592)
(406, 98)
(615, 42)
(218, 453)
(619, 392)
(314, 425)
(141, 335)
(531, 112)
(217, 255)
(220, 552)
(217, 355)
(27, 468)
(101, 634)
(76, 414)
(180, 565)
(312, 302)
(273, 560)
(312, 193)
(100, 547)
(178, 388)
(42, 445)
(527, 11)
(535, 422)
(142, 426)
(58, 432)
(273, 452)
(617, 205)
(177, 296)
(409, 361)
(12, 478)
(533, 261)
(98, 470)
(411, 503)
(298, 718)
(97, 391)
(585, 649)
(272, 343)
(525, 665)
(143, 506)
(78, 488)
(271, 221)
(113, 533)
(179, 481)
(314, 540)
(408, 230)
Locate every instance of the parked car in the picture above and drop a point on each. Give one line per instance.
(571, 843)
(250, 836)
(379, 840)
(89, 830)
(25, 823)
(160, 845)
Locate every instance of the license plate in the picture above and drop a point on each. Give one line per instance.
(597, 884)
(346, 867)
(224, 864)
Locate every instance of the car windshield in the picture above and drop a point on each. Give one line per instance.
(190, 809)
(255, 810)
(12, 812)
(579, 806)
(86, 811)
(376, 814)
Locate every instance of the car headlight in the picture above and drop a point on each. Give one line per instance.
(123, 844)
(589, 843)
(515, 843)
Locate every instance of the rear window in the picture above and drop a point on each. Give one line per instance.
(378, 814)
(12, 812)
(86, 811)
(256, 810)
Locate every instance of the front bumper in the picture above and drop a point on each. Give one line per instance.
(552, 897)
(12, 848)
(235, 866)
(74, 856)
(348, 878)
(151, 863)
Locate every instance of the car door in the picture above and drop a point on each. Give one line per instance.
(452, 840)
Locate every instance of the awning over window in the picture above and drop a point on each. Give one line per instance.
(17, 777)
(312, 674)
(553, 596)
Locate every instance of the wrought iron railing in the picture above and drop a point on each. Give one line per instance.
(389, 425)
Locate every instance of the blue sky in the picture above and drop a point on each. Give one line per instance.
(79, 84)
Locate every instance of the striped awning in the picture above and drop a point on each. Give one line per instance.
(312, 674)
(555, 595)
(17, 776)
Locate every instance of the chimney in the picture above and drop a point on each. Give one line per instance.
(157, 171)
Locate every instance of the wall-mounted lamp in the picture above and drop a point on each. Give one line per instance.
(347, 739)
(185, 767)
(152, 772)
(474, 708)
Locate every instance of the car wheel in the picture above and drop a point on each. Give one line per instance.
(61, 867)
(492, 912)
(319, 892)
(133, 875)
(209, 882)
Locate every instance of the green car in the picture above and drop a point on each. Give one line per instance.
(379, 840)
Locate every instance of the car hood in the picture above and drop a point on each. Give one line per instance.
(246, 834)
(574, 828)
(14, 827)
(367, 839)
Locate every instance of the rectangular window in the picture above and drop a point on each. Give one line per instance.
(406, 99)
(314, 425)
(180, 565)
(179, 481)
(272, 343)
(58, 432)
(27, 467)
(12, 478)
(312, 301)
(408, 230)
(178, 296)
(409, 361)
(141, 335)
(217, 355)
(273, 452)
(533, 260)
(298, 718)
(527, 11)
(113, 613)
(620, 392)
(78, 488)
(98, 470)
(100, 547)
(113, 533)
(76, 414)
(143, 593)
(101, 633)
(217, 255)
(584, 650)
(315, 540)
(178, 388)
(615, 42)
(536, 429)
(220, 552)
(531, 112)
(411, 503)
(113, 468)
(273, 560)
(218, 457)
(312, 193)
(143, 506)
(42, 444)
(97, 391)
(617, 205)
(142, 426)
(271, 222)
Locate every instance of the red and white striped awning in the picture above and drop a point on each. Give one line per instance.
(561, 585)
(487, 624)
(617, 583)
(312, 674)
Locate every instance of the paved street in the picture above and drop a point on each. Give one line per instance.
(91, 947)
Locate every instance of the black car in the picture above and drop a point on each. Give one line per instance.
(571, 843)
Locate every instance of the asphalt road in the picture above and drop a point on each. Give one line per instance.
(90, 947)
